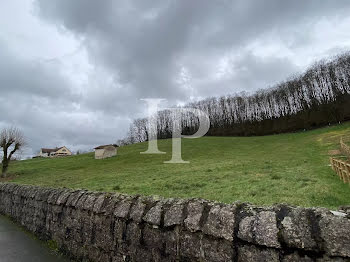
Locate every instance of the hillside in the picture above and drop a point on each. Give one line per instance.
(292, 168)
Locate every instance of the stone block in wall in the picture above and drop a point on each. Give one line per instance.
(48, 220)
(172, 243)
(334, 231)
(116, 257)
(28, 213)
(108, 205)
(152, 238)
(174, 215)
(345, 209)
(31, 192)
(296, 229)
(39, 217)
(3, 187)
(250, 253)
(99, 202)
(221, 221)
(259, 227)
(9, 187)
(54, 194)
(81, 201)
(95, 254)
(331, 259)
(21, 189)
(195, 210)
(122, 207)
(56, 211)
(72, 222)
(63, 197)
(143, 255)
(43, 194)
(119, 229)
(133, 235)
(90, 201)
(190, 246)
(154, 215)
(296, 257)
(137, 210)
(103, 232)
(74, 197)
(119, 241)
(87, 226)
(217, 250)
(16, 190)
(34, 191)
(24, 192)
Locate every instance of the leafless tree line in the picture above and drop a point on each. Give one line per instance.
(318, 97)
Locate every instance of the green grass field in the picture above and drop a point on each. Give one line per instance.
(290, 168)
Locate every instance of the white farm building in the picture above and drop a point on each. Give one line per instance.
(54, 152)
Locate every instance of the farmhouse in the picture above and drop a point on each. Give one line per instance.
(55, 152)
(105, 151)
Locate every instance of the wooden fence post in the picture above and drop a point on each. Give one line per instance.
(347, 167)
(344, 172)
(339, 171)
(341, 168)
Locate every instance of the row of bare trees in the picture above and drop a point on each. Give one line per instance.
(318, 97)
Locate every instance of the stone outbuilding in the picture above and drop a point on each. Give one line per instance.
(105, 151)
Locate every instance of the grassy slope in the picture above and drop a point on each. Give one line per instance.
(292, 168)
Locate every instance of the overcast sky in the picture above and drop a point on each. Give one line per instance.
(73, 72)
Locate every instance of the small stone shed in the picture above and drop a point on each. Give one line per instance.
(105, 151)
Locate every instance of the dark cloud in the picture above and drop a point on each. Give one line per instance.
(143, 45)
(20, 76)
(43, 103)
(179, 50)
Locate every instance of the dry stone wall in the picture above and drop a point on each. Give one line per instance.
(91, 226)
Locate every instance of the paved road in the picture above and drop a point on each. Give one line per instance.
(17, 246)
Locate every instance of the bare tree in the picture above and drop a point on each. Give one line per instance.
(11, 140)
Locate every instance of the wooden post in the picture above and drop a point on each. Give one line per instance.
(339, 172)
(344, 172)
(347, 166)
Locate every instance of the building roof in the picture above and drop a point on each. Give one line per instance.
(50, 150)
(104, 146)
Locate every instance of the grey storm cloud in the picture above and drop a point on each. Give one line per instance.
(177, 50)
(19, 76)
(145, 45)
(39, 100)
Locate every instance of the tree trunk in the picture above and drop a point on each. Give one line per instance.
(5, 163)
(4, 170)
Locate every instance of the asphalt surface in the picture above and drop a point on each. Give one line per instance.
(18, 246)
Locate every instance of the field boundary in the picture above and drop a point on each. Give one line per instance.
(96, 226)
(342, 169)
